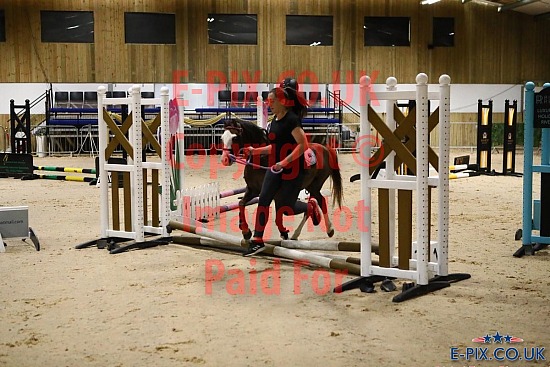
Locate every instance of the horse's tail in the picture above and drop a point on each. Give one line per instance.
(337, 188)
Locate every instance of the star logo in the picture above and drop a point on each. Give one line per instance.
(497, 338)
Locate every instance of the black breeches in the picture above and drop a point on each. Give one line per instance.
(287, 199)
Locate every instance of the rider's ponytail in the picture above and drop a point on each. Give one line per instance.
(293, 99)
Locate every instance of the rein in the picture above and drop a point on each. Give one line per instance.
(247, 162)
(244, 162)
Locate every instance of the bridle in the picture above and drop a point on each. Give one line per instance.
(237, 130)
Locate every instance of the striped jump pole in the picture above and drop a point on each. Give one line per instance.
(65, 169)
(323, 245)
(45, 176)
(325, 262)
(348, 259)
(64, 178)
(229, 207)
(207, 242)
(227, 193)
(457, 175)
(464, 167)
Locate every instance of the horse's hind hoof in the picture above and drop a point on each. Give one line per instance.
(247, 235)
(330, 233)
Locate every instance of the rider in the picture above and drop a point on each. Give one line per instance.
(287, 144)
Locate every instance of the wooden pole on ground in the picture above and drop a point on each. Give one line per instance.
(194, 240)
(324, 245)
(335, 264)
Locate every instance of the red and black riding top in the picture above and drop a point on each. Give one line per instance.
(280, 137)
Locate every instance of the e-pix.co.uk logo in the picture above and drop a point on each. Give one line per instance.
(499, 348)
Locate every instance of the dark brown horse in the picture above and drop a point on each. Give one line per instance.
(240, 133)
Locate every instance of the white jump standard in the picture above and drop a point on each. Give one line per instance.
(405, 141)
(145, 212)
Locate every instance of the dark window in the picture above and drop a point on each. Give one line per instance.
(152, 28)
(67, 26)
(2, 26)
(444, 32)
(387, 31)
(233, 29)
(309, 30)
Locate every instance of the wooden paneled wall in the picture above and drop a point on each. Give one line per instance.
(490, 47)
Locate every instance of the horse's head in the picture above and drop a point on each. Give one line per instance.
(239, 134)
(230, 141)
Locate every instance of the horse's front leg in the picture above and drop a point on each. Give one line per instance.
(243, 225)
(279, 211)
(298, 229)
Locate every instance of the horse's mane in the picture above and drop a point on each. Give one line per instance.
(252, 133)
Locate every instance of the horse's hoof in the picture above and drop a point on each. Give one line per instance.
(284, 235)
(330, 233)
(247, 235)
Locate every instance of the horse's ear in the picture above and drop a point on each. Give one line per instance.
(236, 124)
(233, 126)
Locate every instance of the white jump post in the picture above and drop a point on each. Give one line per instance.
(429, 272)
(261, 119)
(135, 167)
(180, 153)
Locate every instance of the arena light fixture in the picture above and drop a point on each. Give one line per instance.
(428, 2)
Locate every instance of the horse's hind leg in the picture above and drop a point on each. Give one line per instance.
(324, 208)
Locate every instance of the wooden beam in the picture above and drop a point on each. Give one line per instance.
(517, 4)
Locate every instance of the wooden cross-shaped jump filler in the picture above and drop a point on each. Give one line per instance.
(407, 156)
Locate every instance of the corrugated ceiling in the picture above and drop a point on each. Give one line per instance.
(536, 8)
